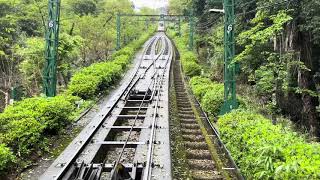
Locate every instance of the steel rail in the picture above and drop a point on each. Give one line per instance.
(147, 175)
(128, 137)
(154, 82)
(66, 165)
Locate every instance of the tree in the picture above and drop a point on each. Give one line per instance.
(84, 7)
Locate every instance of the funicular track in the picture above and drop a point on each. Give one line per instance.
(131, 138)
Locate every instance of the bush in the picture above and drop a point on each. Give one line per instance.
(24, 135)
(128, 51)
(25, 123)
(188, 58)
(210, 94)
(200, 86)
(266, 151)
(84, 86)
(98, 77)
(122, 60)
(191, 68)
(6, 157)
(212, 101)
(53, 113)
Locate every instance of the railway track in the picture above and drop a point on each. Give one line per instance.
(131, 138)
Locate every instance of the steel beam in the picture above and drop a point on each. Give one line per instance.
(51, 51)
(230, 99)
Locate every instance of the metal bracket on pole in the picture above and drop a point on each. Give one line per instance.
(51, 54)
(230, 99)
(118, 31)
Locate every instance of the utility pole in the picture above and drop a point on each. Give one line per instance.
(51, 54)
(118, 31)
(230, 98)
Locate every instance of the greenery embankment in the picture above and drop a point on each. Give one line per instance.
(27, 125)
(188, 58)
(261, 149)
(98, 77)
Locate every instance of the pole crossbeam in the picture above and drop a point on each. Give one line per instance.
(51, 51)
(161, 17)
(152, 15)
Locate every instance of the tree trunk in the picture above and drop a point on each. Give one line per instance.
(6, 94)
(310, 116)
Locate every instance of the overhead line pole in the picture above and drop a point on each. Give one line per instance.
(230, 97)
(51, 51)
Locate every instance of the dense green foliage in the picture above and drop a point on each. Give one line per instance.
(25, 125)
(266, 151)
(96, 78)
(209, 94)
(92, 80)
(188, 58)
(6, 157)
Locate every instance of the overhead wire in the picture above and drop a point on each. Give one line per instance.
(209, 24)
(207, 28)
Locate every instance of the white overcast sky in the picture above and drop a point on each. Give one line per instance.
(150, 3)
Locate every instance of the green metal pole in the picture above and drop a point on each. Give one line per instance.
(52, 42)
(118, 31)
(191, 32)
(230, 99)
